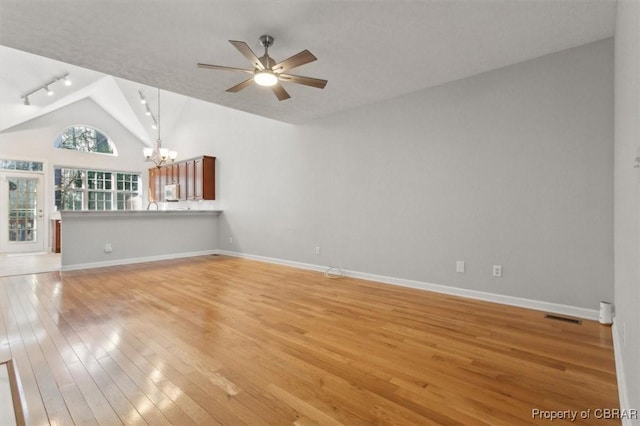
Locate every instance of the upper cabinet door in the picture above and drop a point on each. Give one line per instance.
(190, 180)
(182, 180)
(198, 179)
(152, 185)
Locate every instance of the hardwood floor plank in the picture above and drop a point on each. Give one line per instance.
(217, 340)
(34, 408)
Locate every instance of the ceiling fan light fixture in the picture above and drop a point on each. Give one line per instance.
(267, 72)
(265, 78)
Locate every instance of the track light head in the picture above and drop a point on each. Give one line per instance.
(25, 101)
(49, 91)
(67, 82)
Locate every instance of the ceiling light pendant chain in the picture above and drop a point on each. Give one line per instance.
(159, 142)
(161, 155)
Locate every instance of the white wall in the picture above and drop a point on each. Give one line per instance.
(511, 167)
(627, 195)
(34, 140)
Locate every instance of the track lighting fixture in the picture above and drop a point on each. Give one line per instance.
(46, 88)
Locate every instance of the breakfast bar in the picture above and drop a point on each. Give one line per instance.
(105, 238)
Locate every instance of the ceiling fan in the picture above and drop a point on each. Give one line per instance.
(266, 72)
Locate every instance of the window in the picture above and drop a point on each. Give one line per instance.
(85, 139)
(24, 166)
(96, 189)
(126, 190)
(69, 189)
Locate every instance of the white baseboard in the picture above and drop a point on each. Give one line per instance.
(118, 262)
(622, 383)
(300, 265)
(556, 308)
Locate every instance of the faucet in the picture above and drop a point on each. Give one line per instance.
(152, 202)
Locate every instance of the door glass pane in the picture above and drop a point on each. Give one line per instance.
(23, 210)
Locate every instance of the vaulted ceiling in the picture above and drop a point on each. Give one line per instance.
(367, 50)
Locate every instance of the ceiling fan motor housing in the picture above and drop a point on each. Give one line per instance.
(267, 61)
(266, 40)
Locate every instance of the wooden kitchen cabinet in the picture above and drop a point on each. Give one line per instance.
(154, 185)
(196, 179)
(56, 242)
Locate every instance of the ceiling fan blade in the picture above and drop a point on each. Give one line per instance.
(238, 87)
(219, 67)
(280, 92)
(296, 60)
(307, 81)
(248, 53)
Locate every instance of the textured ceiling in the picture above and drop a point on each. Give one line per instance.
(368, 50)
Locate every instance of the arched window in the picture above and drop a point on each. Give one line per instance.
(85, 139)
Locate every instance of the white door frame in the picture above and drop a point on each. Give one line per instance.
(40, 243)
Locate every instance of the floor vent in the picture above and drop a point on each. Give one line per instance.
(565, 319)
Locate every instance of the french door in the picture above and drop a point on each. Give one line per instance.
(21, 213)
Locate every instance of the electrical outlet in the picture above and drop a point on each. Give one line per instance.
(497, 271)
(318, 250)
(460, 266)
(108, 248)
(230, 240)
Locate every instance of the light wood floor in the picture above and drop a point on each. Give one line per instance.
(218, 340)
(28, 263)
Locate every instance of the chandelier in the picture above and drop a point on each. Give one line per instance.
(158, 156)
